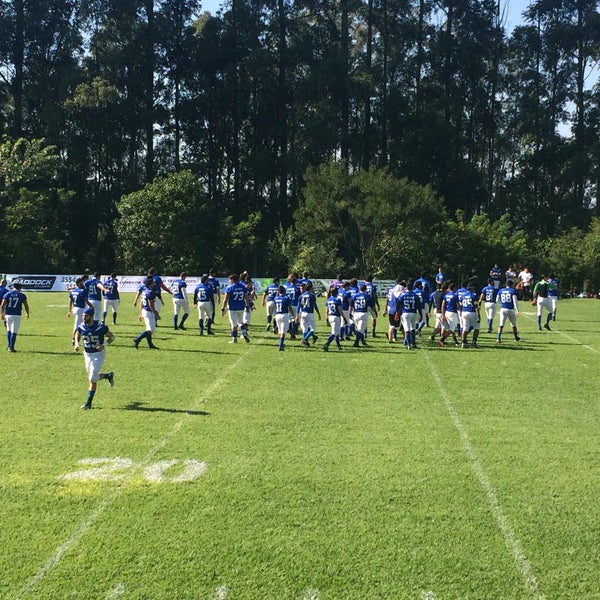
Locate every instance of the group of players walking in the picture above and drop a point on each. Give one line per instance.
(292, 308)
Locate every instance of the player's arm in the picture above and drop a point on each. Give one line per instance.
(225, 299)
(26, 307)
(70, 307)
(165, 288)
(77, 340)
(152, 307)
(137, 297)
(110, 338)
(2, 305)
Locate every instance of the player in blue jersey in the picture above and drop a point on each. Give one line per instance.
(95, 288)
(435, 300)
(307, 307)
(553, 293)
(344, 294)
(292, 290)
(158, 288)
(488, 296)
(449, 314)
(93, 335)
(374, 309)
(78, 302)
(469, 316)
(283, 311)
(236, 302)
(360, 302)
(411, 312)
(203, 301)
(214, 282)
(111, 297)
(180, 301)
(391, 309)
(11, 309)
(335, 317)
(509, 309)
(418, 290)
(268, 300)
(496, 275)
(247, 281)
(148, 314)
(440, 276)
(304, 279)
(427, 288)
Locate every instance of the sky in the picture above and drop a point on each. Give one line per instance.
(514, 9)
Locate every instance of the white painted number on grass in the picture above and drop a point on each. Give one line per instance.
(115, 469)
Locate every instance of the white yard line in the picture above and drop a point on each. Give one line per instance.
(116, 592)
(533, 317)
(87, 523)
(221, 593)
(508, 533)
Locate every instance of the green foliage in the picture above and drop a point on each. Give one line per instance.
(363, 222)
(575, 258)
(33, 211)
(479, 242)
(166, 224)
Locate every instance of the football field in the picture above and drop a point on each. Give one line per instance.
(237, 472)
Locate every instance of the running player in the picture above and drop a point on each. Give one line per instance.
(93, 333)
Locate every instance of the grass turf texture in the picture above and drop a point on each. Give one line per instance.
(371, 473)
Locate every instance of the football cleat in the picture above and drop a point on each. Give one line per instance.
(111, 378)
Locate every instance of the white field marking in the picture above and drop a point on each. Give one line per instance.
(429, 595)
(311, 595)
(109, 471)
(572, 339)
(116, 592)
(156, 471)
(221, 593)
(86, 524)
(57, 305)
(192, 470)
(510, 538)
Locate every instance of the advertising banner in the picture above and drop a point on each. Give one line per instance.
(131, 283)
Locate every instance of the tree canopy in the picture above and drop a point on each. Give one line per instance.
(413, 97)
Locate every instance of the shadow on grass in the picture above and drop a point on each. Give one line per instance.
(141, 406)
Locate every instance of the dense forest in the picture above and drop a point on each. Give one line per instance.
(335, 135)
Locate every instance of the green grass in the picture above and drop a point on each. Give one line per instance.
(363, 474)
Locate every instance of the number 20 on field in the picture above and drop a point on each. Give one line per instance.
(117, 469)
